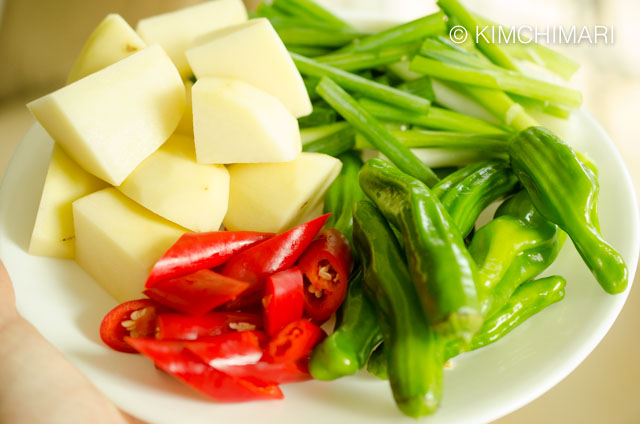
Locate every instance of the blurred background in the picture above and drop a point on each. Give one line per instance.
(39, 40)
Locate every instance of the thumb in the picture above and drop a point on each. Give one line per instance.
(7, 296)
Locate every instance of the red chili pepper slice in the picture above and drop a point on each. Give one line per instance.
(197, 293)
(283, 299)
(325, 265)
(181, 327)
(293, 342)
(281, 252)
(229, 349)
(173, 358)
(271, 373)
(135, 318)
(195, 251)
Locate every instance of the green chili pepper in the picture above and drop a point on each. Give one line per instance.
(377, 364)
(513, 248)
(357, 332)
(468, 191)
(455, 178)
(528, 300)
(343, 193)
(445, 171)
(565, 192)
(443, 272)
(414, 351)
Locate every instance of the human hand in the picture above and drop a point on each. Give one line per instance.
(38, 384)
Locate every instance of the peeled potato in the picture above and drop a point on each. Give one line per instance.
(175, 31)
(112, 40)
(53, 233)
(273, 197)
(252, 52)
(235, 122)
(118, 241)
(172, 184)
(111, 120)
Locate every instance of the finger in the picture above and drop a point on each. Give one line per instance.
(7, 296)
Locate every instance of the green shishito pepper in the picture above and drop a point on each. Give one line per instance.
(473, 188)
(565, 192)
(413, 349)
(442, 270)
(377, 364)
(343, 193)
(528, 300)
(468, 191)
(357, 332)
(516, 246)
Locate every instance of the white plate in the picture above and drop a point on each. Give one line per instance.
(66, 305)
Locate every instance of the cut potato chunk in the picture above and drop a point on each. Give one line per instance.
(273, 197)
(185, 126)
(252, 52)
(172, 184)
(118, 241)
(53, 233)
(237, 123)
(110, 121)
(175, 31)
(112, 40)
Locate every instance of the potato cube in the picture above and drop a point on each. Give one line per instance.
(118, 241)
(53, 233)
(252, 52)
(237, 123)
(112, 40)
(175, 31)
(273, 197)
(172, 184)
(111, 120)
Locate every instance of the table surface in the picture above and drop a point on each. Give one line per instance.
(604, 388)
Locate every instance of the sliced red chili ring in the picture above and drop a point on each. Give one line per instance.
(135, 318)
(197, 293)
(325, 265)
(196, 251)
(271, 373)
(229, 349)
(183, 327)
(283, 299)
(278, 253)
(174, 358)
(293, 342)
